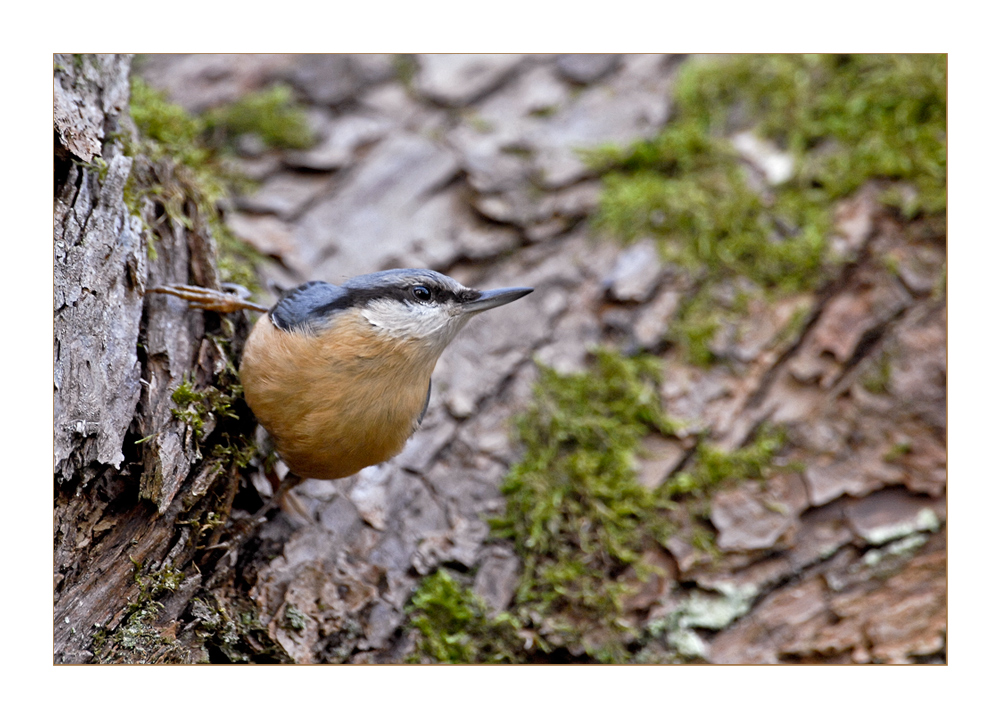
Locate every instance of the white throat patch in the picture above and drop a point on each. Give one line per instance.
(434, 325)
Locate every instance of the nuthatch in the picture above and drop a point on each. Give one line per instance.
(340, 375)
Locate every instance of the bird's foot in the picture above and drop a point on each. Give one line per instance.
(285, 500)
(232, 298)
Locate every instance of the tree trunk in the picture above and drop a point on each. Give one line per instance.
(126, 441)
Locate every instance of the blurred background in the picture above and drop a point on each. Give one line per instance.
(716, 430)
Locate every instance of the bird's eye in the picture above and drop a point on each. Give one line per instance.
(421, 293)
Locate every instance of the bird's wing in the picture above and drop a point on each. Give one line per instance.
(308, 306)
(427, 402)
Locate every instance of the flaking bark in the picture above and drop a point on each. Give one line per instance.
(124, 531)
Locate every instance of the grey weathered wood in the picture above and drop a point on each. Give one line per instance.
(99, 274)
(88, 91)
(122, 456)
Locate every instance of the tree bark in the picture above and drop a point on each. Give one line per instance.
(126, 534)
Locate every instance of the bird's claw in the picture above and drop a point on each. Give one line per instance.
(211, 299)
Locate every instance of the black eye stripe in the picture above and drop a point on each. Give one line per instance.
(311, 304)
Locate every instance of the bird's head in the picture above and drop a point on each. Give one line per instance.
(421, 305)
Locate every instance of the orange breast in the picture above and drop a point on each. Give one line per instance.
(337, 402)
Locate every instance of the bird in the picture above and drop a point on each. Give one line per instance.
(340, 375)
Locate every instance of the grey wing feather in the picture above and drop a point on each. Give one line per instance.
(308, 306)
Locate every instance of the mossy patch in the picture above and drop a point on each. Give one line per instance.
(272, 114)
(455, 626)
(213, 412)
(233, 635)
(575, 511)
(294, 619)
(711, 467)
(581, 522)
(182, 163)
(194, 407)
(878, 375)
(137, 639)
(406, 69)
(179, 180)
(843, 119)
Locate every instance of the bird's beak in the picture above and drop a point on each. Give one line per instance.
(495, 298)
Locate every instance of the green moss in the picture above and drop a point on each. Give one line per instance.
(136, 639)
(898, 451)
(135, 635)
(98, 165)
(521, 152)
(940, 289)
(231, 445)
(158, 582)
(576, 513)
(294, 619)
(845, 119)
(190, 407)
(877, 377)
(701, 537)
(580, 523)
(406, 69)
(172, 131)
(578, 520)
(712, 467)
(694, 328)
(194, 407)
(543, 112)
(178, 168)
(709, 218)
(236, 451)
(793, 327)
(235, 633)
(455, 626)
(476, 121)
(271, 114)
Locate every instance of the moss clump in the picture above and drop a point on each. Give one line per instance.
(294, 619)
(231, 635)
(158, 582)
(271, 114)
(168, 130)
(219, 425)
(136, 639)
(575, 511)
(181, 166)
(580, 522)
(191, 408)
(844, 119)
(694, 327)
(712, 467)
(897, 452)
(455, 626)
(699, 204)
(405, 67)
(194, 407)
(877, 377)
